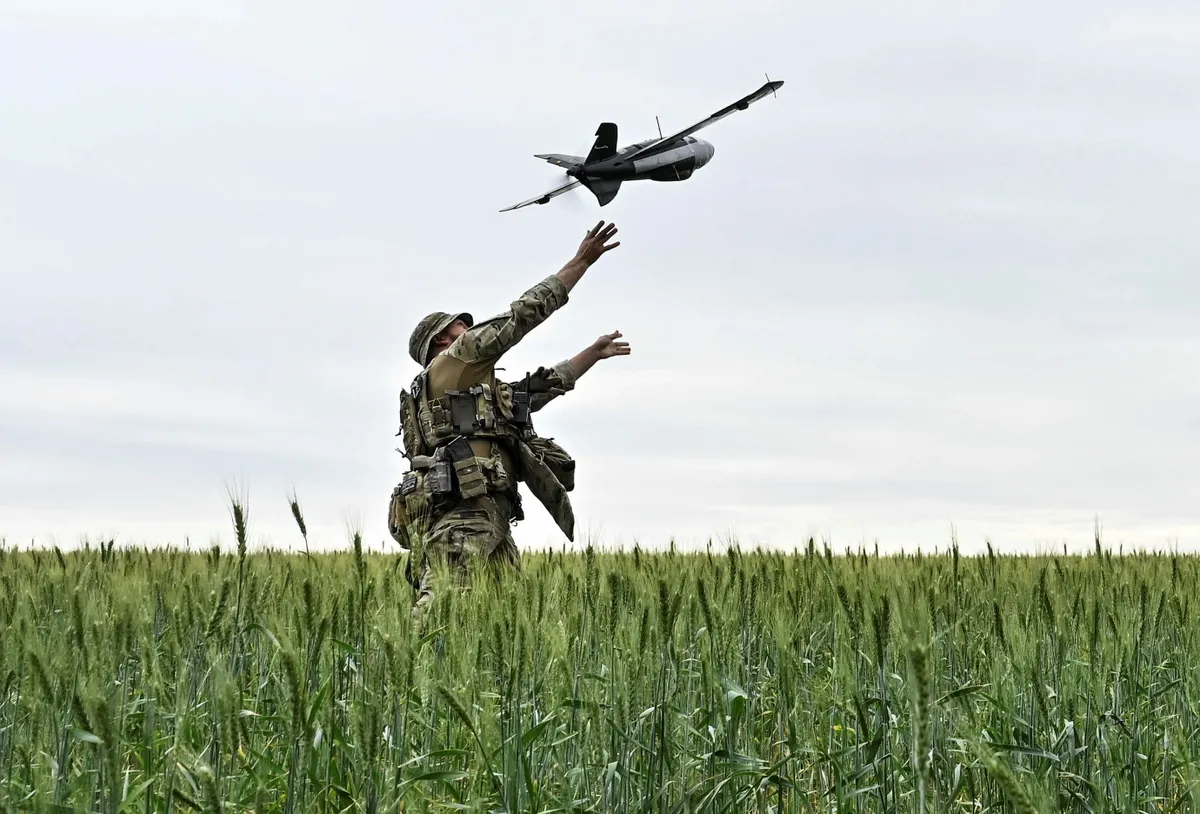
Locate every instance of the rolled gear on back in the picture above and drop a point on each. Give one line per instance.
(555, 458)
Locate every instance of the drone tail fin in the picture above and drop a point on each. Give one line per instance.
(604, 189)
(605, 145)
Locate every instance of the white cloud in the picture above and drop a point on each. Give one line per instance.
(945, 278)
(1175, 26)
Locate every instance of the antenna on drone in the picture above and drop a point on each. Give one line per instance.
(660, 135)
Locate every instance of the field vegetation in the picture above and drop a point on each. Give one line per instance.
(721, 681)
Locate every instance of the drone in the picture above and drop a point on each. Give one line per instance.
(671, 158)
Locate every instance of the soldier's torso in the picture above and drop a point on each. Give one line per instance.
(445, 415)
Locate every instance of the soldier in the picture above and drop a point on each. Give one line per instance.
(469, 438)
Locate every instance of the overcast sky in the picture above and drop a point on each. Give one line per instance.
(947, 279)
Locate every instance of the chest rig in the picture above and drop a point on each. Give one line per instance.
(479, 412)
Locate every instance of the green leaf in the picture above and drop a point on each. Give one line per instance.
(966, 689)
(532, 735)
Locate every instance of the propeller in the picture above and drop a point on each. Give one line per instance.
(571, 199)
(574, 199)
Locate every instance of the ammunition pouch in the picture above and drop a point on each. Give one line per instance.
(436, 483)
(472, 410)
(400, 516)
(469, 478)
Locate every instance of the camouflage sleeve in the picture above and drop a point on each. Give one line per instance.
(547, 384)
(489, 340)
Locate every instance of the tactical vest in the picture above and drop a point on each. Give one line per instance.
(443, 440)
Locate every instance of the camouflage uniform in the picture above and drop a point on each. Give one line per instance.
(463, 511)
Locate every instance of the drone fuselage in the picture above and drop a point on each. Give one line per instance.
(672, 162)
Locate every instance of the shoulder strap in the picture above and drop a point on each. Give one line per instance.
(419, 384)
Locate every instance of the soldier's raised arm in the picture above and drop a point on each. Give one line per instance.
(591, 249)
(489, 340)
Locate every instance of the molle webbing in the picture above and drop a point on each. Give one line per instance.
(415, 442)
(470, 413)
(410, 428)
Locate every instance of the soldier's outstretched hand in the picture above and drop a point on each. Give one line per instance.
(607, 346)
(593, 244)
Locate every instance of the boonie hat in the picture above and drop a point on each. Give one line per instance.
(429, 327)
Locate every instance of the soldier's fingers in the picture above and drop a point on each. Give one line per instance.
(609, 248)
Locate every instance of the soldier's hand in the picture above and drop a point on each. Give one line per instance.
(607, 346)
(593, 244)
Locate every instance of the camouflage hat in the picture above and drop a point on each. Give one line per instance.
(429, 327)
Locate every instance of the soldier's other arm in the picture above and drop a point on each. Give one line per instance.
(489, 340)
(604, 347)
(548, 384)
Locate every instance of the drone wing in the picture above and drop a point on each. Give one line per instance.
(545, 196)
(740, 104)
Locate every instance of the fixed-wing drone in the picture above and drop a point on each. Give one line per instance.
(673, 158)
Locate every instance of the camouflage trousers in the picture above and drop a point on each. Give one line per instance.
(476, 532)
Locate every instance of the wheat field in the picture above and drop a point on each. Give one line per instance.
(163, 680)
